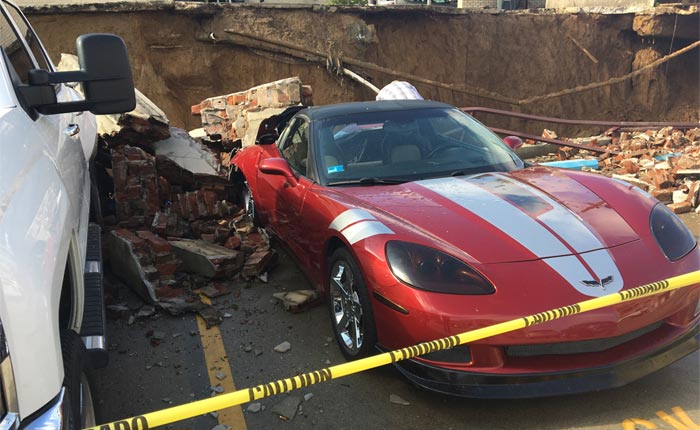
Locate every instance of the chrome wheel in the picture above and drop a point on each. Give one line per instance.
(349, 305)
(247, 201)
(347, 308)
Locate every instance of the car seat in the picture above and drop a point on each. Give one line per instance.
(401, 142)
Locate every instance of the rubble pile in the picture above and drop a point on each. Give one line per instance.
(664, 162)
(172, 218)
(236, 117)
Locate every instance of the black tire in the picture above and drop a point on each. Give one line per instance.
(349, 306)
(78, 395)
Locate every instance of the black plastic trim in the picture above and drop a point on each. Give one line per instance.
(499, 386)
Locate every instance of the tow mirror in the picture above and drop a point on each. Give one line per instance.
(104, 73)
(514, 142)
(278, 166)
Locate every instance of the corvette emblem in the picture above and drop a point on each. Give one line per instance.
(602, 283)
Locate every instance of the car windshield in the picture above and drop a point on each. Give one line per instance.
(398, 146)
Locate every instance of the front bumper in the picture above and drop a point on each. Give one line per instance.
(50, 417)
(511, 386)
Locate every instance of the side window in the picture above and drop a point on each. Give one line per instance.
(29, 36)
(295, 148)
(16, 53)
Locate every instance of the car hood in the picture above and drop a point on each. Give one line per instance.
(525, 215)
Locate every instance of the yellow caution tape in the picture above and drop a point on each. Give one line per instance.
(199, 407)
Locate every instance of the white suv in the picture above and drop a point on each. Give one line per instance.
(51, 309)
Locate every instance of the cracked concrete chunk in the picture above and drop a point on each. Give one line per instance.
(187, 153)
(146, 311)
(297, 301)
(208, 259)
(283, 347)
(287, 408)
(179, 305)
(215, 290)
(397, 400)
(211, 316)
(124, 258)
(254, 407)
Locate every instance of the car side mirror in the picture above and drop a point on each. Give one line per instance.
(278, 166)
(514, 142)
(105, 75)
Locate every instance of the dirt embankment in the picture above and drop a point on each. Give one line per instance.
(182, 53)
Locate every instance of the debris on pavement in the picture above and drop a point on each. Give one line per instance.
(287, 408)
(254, 407)
(283, 347)
(297, 301)
(210, 315)
(208, 259)
(397, 400)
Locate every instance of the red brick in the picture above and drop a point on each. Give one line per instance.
(119, 174)
(680, 208)
(202, 206)
(167, 268)
(210, 202)
(665, 196)
(157, 244)
(136, 242)
(629, 166)
(660, 178)
(258, 262)
(136, 221)
(233, 242)
(169, 292)
(193, 206)
(133, 192)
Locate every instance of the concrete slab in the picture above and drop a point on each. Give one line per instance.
(208, 259)
(187, 153)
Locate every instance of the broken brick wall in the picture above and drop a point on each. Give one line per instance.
(236, 116)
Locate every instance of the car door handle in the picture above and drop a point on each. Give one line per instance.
(71, 130)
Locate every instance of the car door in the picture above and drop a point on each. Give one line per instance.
(289, 198)
(61, 134)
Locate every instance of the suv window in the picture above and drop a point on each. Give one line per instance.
(29, 37)
(295, 148)
(18, 56)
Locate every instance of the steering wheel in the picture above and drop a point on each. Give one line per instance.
(443, 148)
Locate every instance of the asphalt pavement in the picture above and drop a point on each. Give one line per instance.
(159, 361)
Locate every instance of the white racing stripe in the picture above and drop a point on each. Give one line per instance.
(543, 226)
(358, 224)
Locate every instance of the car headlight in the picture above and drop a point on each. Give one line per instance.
(431, 270)
(673, 237)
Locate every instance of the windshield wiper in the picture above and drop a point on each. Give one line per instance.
(370, 181)
(462, 172)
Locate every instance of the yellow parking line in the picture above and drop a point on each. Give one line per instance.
(218, 365)
(686, 424)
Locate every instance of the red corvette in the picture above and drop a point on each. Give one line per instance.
(418, 223)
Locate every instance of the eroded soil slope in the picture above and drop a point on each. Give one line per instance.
(184, 53)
